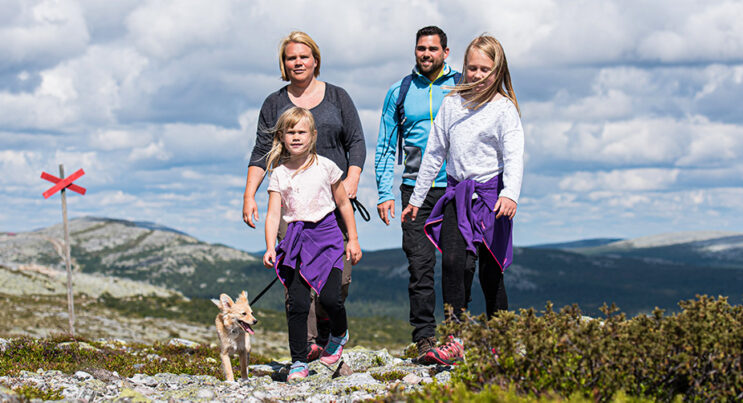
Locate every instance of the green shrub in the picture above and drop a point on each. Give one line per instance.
(695, 354)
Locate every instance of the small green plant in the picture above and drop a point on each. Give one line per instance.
(388, 376)
(28, 392)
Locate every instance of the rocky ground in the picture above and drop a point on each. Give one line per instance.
(375, 374)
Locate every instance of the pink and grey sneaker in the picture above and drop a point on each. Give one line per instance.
(313, 352)
(332, 352)
(298, 370)
(450, 353)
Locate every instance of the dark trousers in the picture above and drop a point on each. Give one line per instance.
(458, 270)
(298, 308)
(421, 255)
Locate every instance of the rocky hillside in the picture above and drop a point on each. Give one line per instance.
(142, 252)
(367, 374)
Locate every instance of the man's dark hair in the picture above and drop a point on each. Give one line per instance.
(432, 30)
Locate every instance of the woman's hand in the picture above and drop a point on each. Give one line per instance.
(411, 211)
(353, 251)
(505, 207)
(269, 258)
(351, 183)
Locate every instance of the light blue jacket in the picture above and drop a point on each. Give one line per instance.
(421, 106)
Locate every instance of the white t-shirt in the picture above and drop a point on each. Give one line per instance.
(307, 196)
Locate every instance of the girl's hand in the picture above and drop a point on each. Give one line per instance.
(269, 258)
(505, 207)
(411, 211)
(353, 251)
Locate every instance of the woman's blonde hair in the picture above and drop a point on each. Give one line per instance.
(278, 153)
(502, 84)
(304, 39)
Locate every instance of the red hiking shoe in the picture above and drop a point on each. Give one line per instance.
(450, 353)
(314, 352)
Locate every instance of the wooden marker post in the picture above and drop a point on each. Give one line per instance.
(62, 185)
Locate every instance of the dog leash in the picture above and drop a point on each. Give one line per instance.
(264, 291)
(363, 212)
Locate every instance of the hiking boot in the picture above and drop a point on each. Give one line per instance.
(333, 350)
(314, 352)
(423, 346)
(298, 370)
(449, 354)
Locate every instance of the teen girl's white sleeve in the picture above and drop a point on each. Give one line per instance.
(512, 139)
(434, 154)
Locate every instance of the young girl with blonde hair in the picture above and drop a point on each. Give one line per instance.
(310, 257)
(478, 132)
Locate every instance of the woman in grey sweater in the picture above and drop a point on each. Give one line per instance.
(339, 138)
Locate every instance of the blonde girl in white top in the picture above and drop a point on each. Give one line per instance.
(310, 257)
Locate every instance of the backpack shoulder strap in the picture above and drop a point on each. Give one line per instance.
(400, 113)
(457, 77)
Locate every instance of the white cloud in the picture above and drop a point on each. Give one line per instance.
(620, 180)
(41, 32)
(155, 150)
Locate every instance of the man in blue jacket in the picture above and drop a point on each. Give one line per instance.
(404, 129)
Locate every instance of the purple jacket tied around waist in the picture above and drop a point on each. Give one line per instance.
(317, 247)
(475, 218)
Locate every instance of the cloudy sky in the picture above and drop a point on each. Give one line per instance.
(633, 110)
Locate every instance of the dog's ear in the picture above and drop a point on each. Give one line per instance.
(243, 296)
(217, 302)
(226, 301)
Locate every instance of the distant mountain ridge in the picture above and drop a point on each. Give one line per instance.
(586, 272)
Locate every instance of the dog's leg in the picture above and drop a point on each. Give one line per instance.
(244, 357)
(227, 367)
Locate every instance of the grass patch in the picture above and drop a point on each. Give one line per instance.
(69, 355)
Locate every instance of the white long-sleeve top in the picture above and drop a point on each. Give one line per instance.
(476, 144)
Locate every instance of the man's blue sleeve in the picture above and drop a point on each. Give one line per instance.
(384, 158)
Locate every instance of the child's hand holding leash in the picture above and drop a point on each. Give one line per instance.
(353, 251)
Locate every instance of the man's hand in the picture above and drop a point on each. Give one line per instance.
(411, 211)
(250, 211)
(505, 207)
(386, 210)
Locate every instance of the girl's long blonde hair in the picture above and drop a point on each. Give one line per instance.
(502, 84)
(278, 153)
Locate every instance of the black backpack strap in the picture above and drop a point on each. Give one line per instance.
(400, 113)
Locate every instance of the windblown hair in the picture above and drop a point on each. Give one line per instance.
(304, 39)
(502, 84)
(278, 153)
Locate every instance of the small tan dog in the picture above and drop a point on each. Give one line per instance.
(234, 330)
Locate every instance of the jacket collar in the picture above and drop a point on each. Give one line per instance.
(446, 72)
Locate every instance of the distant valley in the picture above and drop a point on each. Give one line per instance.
(637, 275)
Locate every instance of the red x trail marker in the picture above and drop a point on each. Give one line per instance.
(63, 183)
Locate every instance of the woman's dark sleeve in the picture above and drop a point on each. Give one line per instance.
(263, 136)
(353, 134)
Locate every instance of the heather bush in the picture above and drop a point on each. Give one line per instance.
(694, 354)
